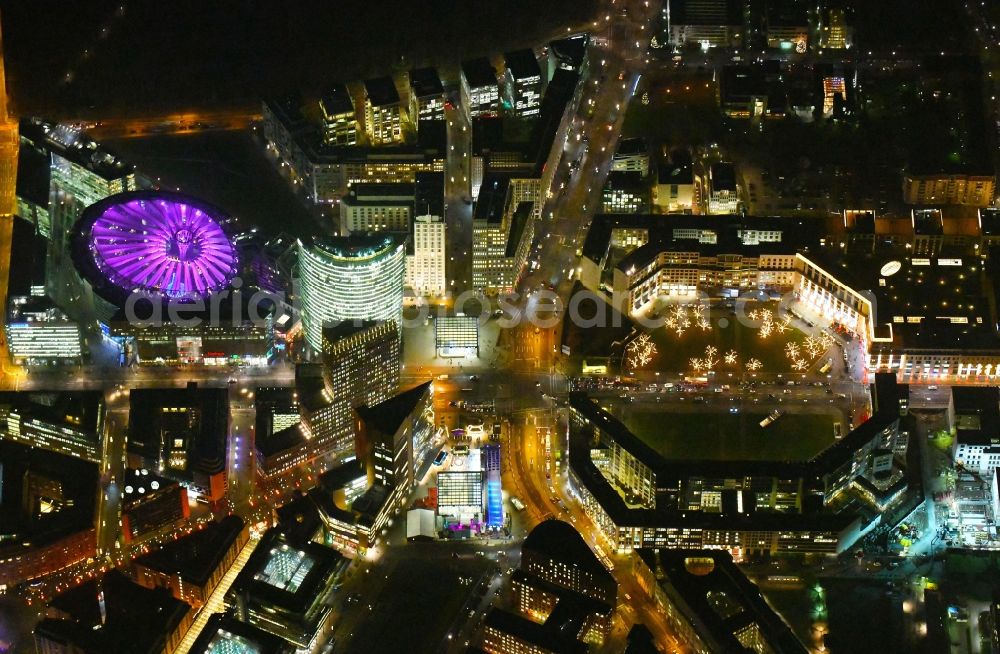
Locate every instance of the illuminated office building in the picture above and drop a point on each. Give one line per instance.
(428, 93)
(832, 87)
(835, 33)
(502, 230)
(480, 87)
(706, 23)
(945, 188)
(393, 440)
(456, 335)
(625, 192)
(340, 123)
(721, 189)
(70, 423)
(51, 339)
(361, 364)
(523, 82)
(286, 589)
(181, 434)
(387, 117)
(426, 257)
(350, 278)
(376, 208)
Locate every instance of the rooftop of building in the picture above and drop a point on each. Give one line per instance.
(479, 72)
(885, 390)
(333, 333)
(77, 478)
(728, 240)
(492, 198)
(299, 519)
(224, 634)
(381, 92)
(692, 12)
(75, 146)
(379, 193)
(78, 410)
(720, 599)
(518, 224)
(140, 487)
(290, 577)
(738, 84)
(547, 639)
(425, 82)
(522, 64)
(336, 100)
(198, 415)
(787, 13)
(677, 170)
(33, 171)
(625, 180)
(337, 478)
(32, 254)
(137, 619)
(977, 414)
(921, 301)
(561, 542)
(632, 146)
(288, 109)
(195, 557)
(723, 175)
(370, 503)
(430, 147)
(428, 193)
(356, 248)
(387, 417)
(570, 51)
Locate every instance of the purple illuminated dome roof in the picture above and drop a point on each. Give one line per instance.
(158, 242)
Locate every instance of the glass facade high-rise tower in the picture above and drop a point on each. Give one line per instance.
(358, 277)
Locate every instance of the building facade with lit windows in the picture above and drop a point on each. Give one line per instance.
(361, 366)
(426, 257)
(502, 230)
(340, 123)
(192, 566)
(834, 31)
(638, 499)
(285, 589)
(625, 192)
(82, 172)
(711, 605)
(70, 423)
(324, 159)
(48, 501)
(387, 117)
(523, 82)
(480, 89)
(721, 190)
(427, 92)
(393, 440)
(352, 278)
(376, 208)
(706, 23)
(960, 188)
(974, 418)
(563, 595)
(54, 339)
